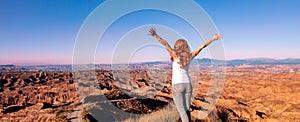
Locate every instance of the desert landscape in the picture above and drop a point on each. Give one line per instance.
(262, 93)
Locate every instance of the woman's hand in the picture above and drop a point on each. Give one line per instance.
(217, 37)
(152, 32)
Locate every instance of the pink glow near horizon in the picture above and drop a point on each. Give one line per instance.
(27, 62)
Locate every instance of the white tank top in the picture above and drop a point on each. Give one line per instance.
(179, 75)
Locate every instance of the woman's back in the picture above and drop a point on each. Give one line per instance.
(179, 75)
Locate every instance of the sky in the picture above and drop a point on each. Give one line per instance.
(44, 31)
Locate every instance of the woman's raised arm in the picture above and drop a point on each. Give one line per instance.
(153, 33)
(214, 38)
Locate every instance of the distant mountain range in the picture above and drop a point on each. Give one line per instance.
(263, 61)
(251, 61)
(238, 61)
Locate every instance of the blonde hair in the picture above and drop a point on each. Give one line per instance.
(183, 52)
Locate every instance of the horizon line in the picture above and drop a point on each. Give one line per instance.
(44, 64)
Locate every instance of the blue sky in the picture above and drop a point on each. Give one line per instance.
(44, 31)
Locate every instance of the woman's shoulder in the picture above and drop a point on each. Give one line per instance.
(175, 59)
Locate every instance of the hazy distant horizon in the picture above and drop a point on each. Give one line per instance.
(63, 63)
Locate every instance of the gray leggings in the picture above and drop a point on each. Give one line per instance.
(182, 96)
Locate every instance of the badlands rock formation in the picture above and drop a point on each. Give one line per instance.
(52, 96)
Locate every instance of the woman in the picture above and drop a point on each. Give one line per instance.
(181, 57)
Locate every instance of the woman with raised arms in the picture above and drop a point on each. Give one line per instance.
(181, 56)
